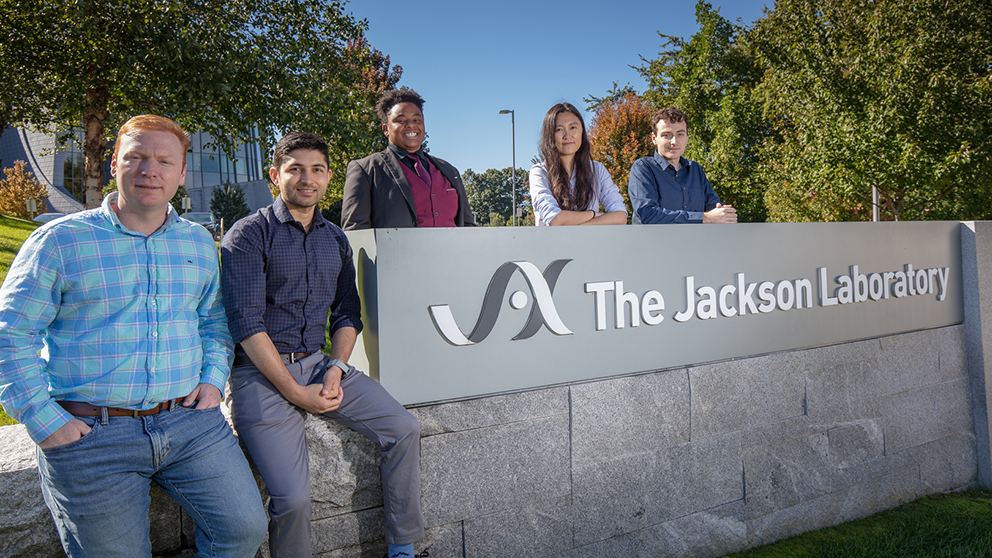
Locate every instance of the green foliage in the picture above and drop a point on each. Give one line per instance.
(711, 78)
(945, 525)
(226, 68)
(620, 134)
(491, 198)
(18, 187)
(895, 94)
(228, 203)
(13, 232)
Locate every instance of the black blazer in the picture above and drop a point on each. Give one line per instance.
(378, 196)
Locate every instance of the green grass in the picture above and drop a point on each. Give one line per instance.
(13, 233)
(957, 525)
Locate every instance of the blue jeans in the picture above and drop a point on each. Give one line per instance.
(97, 487)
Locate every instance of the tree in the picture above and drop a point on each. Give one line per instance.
(894, 94)
(228, 203)
(369, 75)
(620, 134)
(226, 68)
(491, 197)
(712, 78)
(17, 188)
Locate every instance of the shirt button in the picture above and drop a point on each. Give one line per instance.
(154, 334)
(432, 195)
(435, 214)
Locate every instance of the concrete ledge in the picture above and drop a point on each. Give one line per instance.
(698, 461)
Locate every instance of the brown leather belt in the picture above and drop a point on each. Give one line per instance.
(86, 410)
(241, 359)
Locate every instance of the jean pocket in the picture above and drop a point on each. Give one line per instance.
(194, 408)
(92, 422)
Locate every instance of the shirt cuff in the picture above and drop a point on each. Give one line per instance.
(49, 417)
(214, 376)
(550, 215)
(695, 216)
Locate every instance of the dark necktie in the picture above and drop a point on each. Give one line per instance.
(419, 168)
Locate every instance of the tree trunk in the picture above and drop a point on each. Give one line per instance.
(95, 146)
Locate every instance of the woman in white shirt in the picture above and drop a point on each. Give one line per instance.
(568, 188)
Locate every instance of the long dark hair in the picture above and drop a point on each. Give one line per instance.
(560, 181)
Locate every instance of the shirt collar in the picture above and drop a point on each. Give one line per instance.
(106, 207)
(683, 162)
(400, 152)
(282, 213)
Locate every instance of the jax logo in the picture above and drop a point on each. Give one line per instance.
(542, 311)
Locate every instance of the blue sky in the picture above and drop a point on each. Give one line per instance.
(471, 59)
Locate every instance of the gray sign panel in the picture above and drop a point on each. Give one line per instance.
(456, 313)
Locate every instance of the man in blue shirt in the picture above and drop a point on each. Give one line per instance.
(286, 269)
(668, 188)
(126, 300)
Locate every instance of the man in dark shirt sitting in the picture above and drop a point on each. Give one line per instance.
(284, 270)
(668, 188)
(402, 186)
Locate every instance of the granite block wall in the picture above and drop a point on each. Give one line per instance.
(697, 461)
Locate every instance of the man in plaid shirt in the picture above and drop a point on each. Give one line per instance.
(126, 299)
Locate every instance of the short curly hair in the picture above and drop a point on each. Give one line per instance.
(394, 97)
(670, 115)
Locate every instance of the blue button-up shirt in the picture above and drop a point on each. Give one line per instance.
(129, 320)
(282, 280)
(659, 196)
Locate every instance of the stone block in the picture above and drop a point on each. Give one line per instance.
(625, 416)
(908, 361)
(538, 529)
(844, 393)
(712, 532)
(166, 520)
(620, 546)
(491, 411)
(782, 431)
(443, 540)
(784, 475)
(734, 395)
(344, 469)
(809, 515)
(25, 523)
(844, 353)
(953, 352)
(917, 416)
(946, 464)
(612, 498)
(479, 472)
(360, 529)
(857, 454)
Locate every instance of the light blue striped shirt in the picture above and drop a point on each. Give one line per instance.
(128, 320)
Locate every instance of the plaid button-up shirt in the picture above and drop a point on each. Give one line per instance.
(285, 282)
(128, 320)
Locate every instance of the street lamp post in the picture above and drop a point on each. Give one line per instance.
(513, 169)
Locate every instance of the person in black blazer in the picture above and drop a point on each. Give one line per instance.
(401, 186)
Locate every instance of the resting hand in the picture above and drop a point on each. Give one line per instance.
(66, 434)
(205, 396)
(720, 214)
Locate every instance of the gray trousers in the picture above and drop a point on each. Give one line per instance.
(272, 429)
